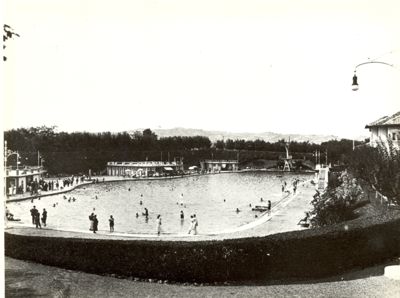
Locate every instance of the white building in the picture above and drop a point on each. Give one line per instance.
(209, 165)
(321, 176)
(143, 168)
(17, 179)
(385, 128)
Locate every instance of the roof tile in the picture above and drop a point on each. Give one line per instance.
(386, 121)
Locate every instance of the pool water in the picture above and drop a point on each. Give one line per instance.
(213, 198)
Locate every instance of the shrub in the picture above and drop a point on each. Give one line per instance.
(380, 167)
(338, 203)
(312, 253)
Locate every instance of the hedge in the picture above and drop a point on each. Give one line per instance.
(311, 253)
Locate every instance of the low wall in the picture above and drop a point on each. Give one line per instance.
(305, 254)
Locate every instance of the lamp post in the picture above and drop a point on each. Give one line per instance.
(7, 154)
(354, 86)
(393, 271)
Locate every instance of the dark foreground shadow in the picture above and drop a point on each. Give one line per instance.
(357, 273)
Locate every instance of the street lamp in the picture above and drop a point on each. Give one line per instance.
(354, 86)
(7, 154)
(394, 270)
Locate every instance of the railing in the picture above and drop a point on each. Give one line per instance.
(13, 171)
(380, 200)
(143, 163)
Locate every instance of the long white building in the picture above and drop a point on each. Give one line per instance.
(209, 165)
(143, 168)
(17, 179)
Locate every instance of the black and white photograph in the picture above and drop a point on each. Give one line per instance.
(183, 148)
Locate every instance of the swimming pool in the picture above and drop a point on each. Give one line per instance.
(213, 198)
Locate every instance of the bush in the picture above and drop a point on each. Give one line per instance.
(338, 203)
(380, 167)
(310, 253)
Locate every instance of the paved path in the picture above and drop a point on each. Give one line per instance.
(27, 279)
(283, 217)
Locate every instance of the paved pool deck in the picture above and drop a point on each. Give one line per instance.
(28, 279)
(284, 217)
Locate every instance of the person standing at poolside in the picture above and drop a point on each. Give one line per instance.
(95, 223)
(111, 220)
(158, 225)
(33, 214)
(37, 219)
(91, 218)
(195, 224)
(191, 227)
(269, 206)
(44, 217)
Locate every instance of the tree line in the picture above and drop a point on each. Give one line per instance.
(76, 152)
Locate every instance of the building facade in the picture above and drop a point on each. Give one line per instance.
(143, 168)
(385, 129)
(321, 176)
(18, 180)
(213, 166)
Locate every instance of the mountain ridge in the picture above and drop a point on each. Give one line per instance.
(215, 135)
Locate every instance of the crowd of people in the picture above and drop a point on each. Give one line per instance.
(36, 187)
(285, 187)
(94, 222)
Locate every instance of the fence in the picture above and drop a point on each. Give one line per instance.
(378, 199)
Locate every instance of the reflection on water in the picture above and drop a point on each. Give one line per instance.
(213, 198)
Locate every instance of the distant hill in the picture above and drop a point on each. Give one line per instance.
(219, 135)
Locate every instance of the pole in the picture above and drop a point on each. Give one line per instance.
(5, 169)
(326, 156)
(316, 157)
(38, 158)
(5, 155)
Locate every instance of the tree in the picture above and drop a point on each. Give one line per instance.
(8, 33)
(147, 133)
(380, 167)
(219, 144)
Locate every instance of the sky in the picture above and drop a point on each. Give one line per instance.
(283, 66)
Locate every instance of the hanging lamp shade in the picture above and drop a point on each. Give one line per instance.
(354, 86)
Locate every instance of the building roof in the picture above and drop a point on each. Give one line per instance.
(215, 161)
(146, 164)
(24, 171)
(393, 120)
